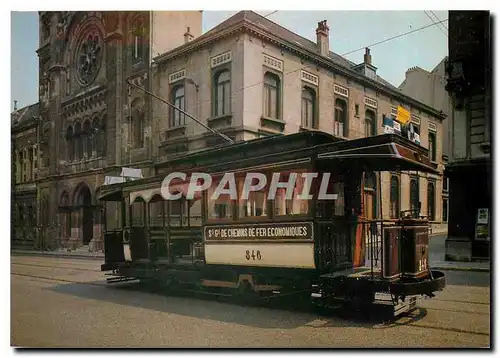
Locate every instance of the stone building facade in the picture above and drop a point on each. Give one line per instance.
(469, 71)
(24, 175)
(249, 77)
(429, 87)
(85, 61)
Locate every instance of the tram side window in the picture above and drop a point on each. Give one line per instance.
(177, 212)
(156, 205)
(194, 207)
(256, 204)
(113, 215)
(219, 207)
(335, 207)
(291, 204)
(138, 212)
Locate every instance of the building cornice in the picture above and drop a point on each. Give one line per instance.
(250, 28)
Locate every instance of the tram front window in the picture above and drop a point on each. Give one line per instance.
(219, 207)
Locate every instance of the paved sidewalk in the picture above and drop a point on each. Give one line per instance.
(437, 261)
(79, 253)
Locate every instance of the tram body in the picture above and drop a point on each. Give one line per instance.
(273, 246)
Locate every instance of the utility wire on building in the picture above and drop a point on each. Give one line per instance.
(183, 112)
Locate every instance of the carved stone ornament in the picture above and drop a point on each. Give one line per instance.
(62, 25)
(111, 20)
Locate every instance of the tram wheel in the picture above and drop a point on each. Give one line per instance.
(245, 292)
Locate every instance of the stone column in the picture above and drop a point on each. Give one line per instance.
(116, 90)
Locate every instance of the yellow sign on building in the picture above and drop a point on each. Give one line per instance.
(403, 115)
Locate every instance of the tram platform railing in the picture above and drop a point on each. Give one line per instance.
(395, 247)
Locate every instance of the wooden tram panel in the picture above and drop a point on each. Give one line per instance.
(326, 252)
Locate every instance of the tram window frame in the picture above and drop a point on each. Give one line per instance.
(181, 219)
(293, 201)
(208, 207)
(333, 207)
(190, 217)
(138, 200)
(240, 204)
(160, 216)
(113, 215)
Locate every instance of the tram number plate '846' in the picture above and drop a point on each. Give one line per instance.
(253, 255)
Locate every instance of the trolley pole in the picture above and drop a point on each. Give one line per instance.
(225, 137)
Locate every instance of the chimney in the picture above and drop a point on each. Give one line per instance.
(322, 38)
(15, 105)
(187, 36)
(368, 57)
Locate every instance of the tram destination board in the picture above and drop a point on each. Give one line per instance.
(299, 231)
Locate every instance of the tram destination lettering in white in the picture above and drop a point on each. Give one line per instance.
(199, 182)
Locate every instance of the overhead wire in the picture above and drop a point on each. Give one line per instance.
(434, 22)
(272, 12)
(394, 37)
(438, 19)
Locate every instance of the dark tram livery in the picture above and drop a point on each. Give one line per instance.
(330, 250)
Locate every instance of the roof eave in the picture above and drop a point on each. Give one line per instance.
(246, 25)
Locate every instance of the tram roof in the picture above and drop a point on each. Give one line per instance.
(377, 153)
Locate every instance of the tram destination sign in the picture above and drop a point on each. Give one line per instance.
(268, 232)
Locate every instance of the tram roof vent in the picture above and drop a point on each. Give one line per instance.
(109, 180)
(132, 173)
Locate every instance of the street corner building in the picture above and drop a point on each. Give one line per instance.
(247, 78)
(469, 71)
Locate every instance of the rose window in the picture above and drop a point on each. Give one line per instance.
(89, 58)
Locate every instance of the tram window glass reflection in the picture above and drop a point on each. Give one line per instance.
(177, 211)
(194, 207)
(256, 205)
(294, 205)
(335, 207)
(113, 215)
(219, 207)
(156, 211)
(138, 212)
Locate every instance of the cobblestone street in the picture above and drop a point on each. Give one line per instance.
(62, 302)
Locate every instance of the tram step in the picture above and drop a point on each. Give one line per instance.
(120, 279)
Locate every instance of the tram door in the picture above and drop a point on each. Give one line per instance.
(370, 196)
(332, 228)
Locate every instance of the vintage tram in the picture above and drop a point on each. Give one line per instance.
(261, 245)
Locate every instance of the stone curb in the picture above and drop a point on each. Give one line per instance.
(458, 268)
(53, 254)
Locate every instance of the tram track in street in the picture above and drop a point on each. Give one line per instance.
(273, 303)
(55, 267)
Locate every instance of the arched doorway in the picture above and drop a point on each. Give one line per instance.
(84, 204)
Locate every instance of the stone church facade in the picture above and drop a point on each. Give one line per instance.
(85, 59)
